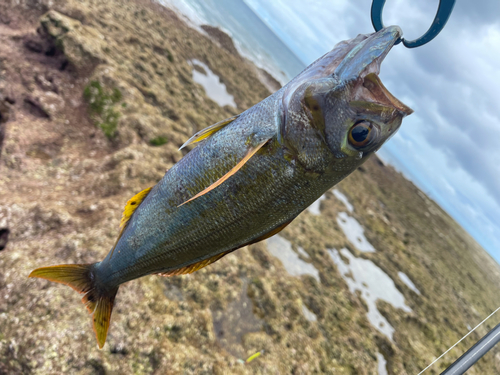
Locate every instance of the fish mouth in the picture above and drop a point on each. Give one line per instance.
(362, 64)
(349, 59)
(367, 55)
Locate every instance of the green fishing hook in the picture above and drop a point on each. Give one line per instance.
(443, 14)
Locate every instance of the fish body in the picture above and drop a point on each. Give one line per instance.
(251, 175)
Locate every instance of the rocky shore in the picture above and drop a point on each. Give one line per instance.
(95, 100)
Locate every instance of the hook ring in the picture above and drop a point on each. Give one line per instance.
(442, 15)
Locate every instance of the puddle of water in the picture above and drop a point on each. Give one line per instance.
(236, 321)
(302, 252)
(404, 278)
(309, 315)
(354, 232)
(373, 283)
(341, 197)
(381, 364)
(282, 249)
(212, 84)
(314, 208)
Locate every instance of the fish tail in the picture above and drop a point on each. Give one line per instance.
(81, 277)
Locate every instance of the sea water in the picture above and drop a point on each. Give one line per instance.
(252, 37)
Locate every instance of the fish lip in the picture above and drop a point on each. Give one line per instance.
(367, 56)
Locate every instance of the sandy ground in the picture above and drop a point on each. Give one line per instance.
(75, 151)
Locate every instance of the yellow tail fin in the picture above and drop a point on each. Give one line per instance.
(98, 301)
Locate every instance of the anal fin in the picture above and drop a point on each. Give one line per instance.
(208, 131)
(251, 152)
(199, 265)
(271, 233)
(195, 266)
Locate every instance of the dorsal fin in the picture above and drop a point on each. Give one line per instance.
(251, 151)
(130, 208)
(207, 132)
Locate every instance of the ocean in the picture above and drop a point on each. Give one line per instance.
(252, 37)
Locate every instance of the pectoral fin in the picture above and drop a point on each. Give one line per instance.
(132, 205)
(207, 132)
(251, 151)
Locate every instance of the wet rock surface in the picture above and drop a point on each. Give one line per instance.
(220, 36)
(100, 97)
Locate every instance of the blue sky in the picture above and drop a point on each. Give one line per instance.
(450, 145)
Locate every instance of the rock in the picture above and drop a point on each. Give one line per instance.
(269, 80)
(4, 111)
(35, 106)
(47, 104)
(222, 38)
(38, 44)
(82, 45)
(46, 83)
(57, 25)
(4, 117)
(4, 237)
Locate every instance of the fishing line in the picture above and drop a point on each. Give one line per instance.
(459, 341)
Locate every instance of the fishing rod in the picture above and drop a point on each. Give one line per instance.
(471, 356)
(488, 341)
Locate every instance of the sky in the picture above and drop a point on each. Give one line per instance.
(450, 146)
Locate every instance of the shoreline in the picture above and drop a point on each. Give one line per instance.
(226, 42)
(201, 26)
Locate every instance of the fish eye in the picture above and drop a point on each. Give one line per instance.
(361, 134)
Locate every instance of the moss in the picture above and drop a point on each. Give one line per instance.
(158, 141)
(101, 103)
(170, 57)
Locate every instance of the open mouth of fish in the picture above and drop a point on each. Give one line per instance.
(352, 60)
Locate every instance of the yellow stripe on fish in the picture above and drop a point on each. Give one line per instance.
(251, 152)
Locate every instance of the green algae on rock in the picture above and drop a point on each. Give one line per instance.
(101, 105)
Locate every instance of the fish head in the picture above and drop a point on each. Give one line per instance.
(341, 102)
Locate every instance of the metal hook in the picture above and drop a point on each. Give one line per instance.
(442, 16)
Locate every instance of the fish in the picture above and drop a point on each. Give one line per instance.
(248, 177)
